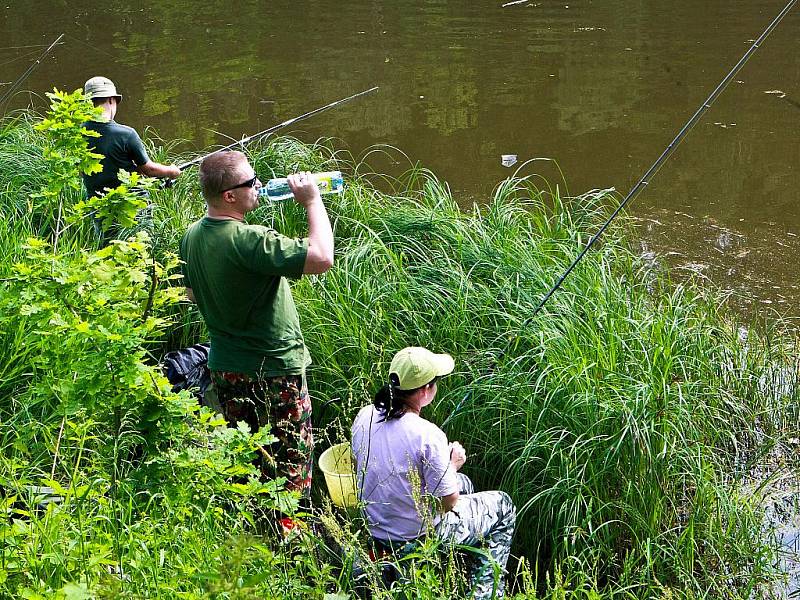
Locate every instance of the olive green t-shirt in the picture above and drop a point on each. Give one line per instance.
(121, 147)
(238, 273)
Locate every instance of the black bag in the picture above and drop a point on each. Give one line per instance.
(187, 369)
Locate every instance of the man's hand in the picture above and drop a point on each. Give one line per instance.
(320, 235)
(457, 455)
(304, 188)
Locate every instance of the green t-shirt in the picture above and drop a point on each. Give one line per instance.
(238, 275)
(121, 147)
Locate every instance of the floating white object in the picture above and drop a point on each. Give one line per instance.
(508, 159)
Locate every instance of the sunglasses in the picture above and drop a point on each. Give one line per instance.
(245, 184)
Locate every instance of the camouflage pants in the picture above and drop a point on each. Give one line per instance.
(482, 520)
(282, 404)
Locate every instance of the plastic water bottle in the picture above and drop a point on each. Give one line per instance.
(330, 182)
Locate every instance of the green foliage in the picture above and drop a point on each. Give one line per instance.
(86, 412)
(118, 206)
(617, 419)
(90, 311)
(66, 151)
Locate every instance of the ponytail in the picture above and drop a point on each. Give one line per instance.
(390, 399)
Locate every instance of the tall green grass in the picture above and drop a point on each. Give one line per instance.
(614, 418)
(618, 418)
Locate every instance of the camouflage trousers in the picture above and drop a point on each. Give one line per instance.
(482, 520)
(282, 404)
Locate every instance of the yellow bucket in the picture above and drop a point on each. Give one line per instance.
(336, 463)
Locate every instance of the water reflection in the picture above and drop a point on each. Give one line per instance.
(747, 263)
(601, 87)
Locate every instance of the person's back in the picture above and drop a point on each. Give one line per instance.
(120, 145)
(404, 461)
(121, 148)
(238, 278)
(393, 458)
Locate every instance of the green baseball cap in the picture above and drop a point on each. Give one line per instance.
(416, 367)
(101, 87)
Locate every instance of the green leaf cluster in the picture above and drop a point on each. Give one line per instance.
(136, 475)
(88, 315)
(66, 152)
(120, 205)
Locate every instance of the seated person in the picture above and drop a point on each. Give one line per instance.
(403, 461)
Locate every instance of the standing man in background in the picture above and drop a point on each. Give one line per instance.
(238, 276)
(120, 145)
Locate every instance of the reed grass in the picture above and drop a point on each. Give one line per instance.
(618, 418)
(614, 418)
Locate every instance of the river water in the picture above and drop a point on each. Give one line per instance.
(600, 87)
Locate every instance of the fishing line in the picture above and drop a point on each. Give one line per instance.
(22, 47)
(29, 70)
(269, 130)
(20, 57)
(666, 154)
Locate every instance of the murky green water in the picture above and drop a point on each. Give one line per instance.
(599, 86)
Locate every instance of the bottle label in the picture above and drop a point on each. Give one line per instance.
(329, 182)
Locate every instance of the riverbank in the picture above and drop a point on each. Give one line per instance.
(615, 418)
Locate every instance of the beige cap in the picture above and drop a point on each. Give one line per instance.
(416, 367)
(101, 87)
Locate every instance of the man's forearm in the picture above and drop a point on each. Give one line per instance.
(320, 239)
(154, 169)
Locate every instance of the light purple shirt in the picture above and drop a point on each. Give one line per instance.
(385, 454)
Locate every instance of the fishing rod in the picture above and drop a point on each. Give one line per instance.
(274, 128)
(30, 70)
(666, 154)
(455, 411)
